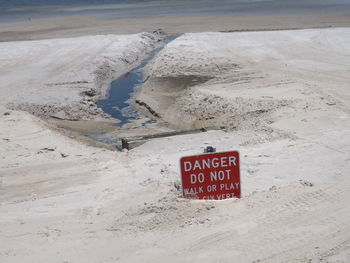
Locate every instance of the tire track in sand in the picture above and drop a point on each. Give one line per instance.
(302, 227)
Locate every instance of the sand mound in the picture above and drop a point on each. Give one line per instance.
(64, 78)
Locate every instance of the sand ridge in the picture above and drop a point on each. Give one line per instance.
(64, 78)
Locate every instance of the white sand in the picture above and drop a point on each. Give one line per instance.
(56, 72)
(62, 201)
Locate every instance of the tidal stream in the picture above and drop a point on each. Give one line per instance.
(118, 105)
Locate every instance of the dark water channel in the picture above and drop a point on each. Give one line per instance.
(117, 103)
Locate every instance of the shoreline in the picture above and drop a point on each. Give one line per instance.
(63, 27)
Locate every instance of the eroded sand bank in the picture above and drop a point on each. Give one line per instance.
(284, 99)
(65, 77)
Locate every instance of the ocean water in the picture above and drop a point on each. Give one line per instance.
(15, 10)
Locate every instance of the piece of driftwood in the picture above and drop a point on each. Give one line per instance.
(135, 141)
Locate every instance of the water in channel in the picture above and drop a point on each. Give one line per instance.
(121, 90)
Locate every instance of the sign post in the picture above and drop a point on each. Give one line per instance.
(211, 176)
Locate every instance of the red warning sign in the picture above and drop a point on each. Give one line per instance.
(212, 176)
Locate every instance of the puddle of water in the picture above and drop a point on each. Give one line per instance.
(121, 90)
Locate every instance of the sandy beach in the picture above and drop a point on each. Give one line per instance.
(282, 97)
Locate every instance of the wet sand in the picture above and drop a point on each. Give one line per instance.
(81, 26)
